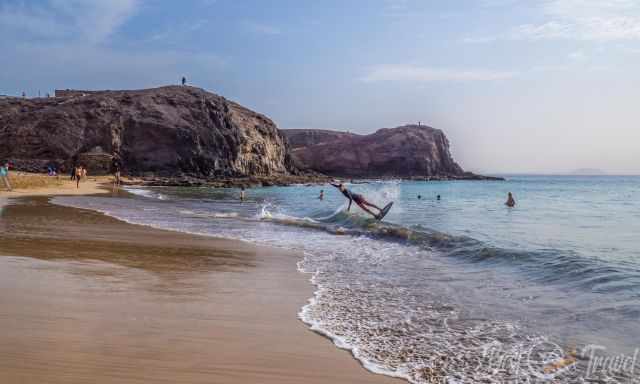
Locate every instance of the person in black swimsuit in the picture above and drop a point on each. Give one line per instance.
(359, 199)
(511, 202)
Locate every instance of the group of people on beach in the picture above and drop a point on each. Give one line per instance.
(52, 170)
(77, 173)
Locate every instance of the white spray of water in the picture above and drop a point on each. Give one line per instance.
(379, 194)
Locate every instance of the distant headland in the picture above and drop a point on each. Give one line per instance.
(412, 151)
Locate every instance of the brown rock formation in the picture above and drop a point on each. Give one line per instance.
(407, 151)
(165, 131)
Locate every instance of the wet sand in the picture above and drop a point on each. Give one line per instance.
(85, 298)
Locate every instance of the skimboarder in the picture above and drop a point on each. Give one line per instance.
(362, 202)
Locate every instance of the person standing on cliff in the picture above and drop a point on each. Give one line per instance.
(359, 199)
(184, 80)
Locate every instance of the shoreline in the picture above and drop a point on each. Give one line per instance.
(103, 184)
(96, 252)
(257, 182)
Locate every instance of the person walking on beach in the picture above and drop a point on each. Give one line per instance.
(242, 194)
(511, 202)
(359, 199)
(115, 168)
(78, 175)
(4, 175)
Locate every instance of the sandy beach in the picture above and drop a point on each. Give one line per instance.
(90, 186)
(87, 298)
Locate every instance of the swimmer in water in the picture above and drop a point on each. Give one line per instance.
(511, 202)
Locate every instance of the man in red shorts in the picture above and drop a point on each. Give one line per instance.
(359, 199)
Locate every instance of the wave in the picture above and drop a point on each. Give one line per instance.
(547, 266)
(146, 193)
(210, 215)
(561, 267)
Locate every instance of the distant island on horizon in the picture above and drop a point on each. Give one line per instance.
(577, 172)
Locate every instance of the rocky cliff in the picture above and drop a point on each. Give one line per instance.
(170, 131)
(407, 151)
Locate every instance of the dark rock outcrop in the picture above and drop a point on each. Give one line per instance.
(167, 131)
(407, 151)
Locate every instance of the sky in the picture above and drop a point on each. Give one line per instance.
(518, 86)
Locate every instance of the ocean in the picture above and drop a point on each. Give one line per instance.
(457, 290)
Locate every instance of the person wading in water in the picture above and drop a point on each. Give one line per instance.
(511, 202)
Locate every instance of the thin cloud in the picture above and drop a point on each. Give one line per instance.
(260, 28)
(175, 33)
(90, 21)
(396, 8)
(397, 5)
(480, 39)
(403, 73)
(577, 56)
(584, 20)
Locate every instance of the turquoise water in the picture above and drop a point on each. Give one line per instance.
(462, 288)
(596, 216)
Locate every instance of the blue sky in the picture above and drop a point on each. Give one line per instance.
(518, 86)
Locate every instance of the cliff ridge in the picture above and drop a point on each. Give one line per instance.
(172, 130)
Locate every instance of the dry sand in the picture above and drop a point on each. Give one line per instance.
(90, 186)
(85, 298)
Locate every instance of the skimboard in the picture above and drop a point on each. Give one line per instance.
(384, 211)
